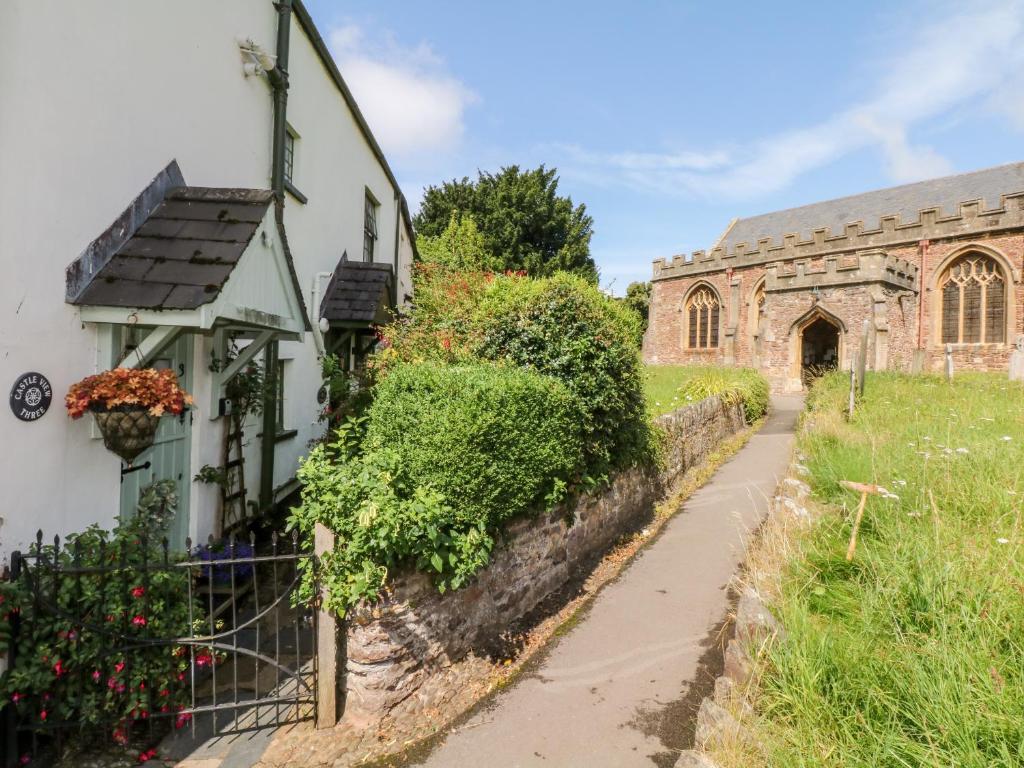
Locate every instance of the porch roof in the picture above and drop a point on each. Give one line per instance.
(183, 253)
(359, 293)
(193, 257)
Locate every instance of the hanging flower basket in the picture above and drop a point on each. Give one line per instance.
(127, 430)
(127, 404)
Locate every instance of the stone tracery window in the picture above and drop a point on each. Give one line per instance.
(973, 294)
(702, 311)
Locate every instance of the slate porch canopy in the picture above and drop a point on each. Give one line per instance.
(359, 295)
(195, 258)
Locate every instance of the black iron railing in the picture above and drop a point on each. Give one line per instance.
(244, 655)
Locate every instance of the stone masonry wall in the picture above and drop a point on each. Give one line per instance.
(403, 654)
(910, 338)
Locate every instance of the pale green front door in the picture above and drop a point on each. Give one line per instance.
(169, 458)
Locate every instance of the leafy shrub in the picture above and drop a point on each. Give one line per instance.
(460, 246)
(71, 664)
(559, 326)
(564, 327)
(495, 441)
(449, 454)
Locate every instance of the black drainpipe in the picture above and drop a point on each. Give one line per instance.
(278, 77)
(398, 234)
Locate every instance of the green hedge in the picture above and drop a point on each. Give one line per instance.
(496, 441)
(450, 453)
(561, 326)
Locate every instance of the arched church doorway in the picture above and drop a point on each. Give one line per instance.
(819, 350)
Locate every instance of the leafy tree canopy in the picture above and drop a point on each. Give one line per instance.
(524, 222)
(638, 298)
(460, 247)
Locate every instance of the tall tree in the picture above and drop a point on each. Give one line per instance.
(524, 222)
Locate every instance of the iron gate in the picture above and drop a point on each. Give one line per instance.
(243, 656)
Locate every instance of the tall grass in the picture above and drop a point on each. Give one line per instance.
(669, 387)
(913, 654)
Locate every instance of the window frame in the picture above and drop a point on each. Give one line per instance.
(702, 324)
(972, 290)
(291, 139)
(371, 228)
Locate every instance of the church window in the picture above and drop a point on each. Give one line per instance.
(702, 311)
(973, 294)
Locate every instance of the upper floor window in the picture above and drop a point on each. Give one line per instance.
(369, 228)
(973, 295)
(702, 311)
(289, 155)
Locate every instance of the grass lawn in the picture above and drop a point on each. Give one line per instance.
(913, 654)
(669, 387)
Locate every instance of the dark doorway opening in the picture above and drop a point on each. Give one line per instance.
(819, 350)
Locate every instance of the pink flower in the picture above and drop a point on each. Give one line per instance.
(96, 675)
(25, 759)
(138, 591)
(139, 621)
(42, 714)
(58, 668)
(17, 697)
(119, 666)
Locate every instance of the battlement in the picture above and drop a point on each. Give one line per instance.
(930, 225)
(842, 269)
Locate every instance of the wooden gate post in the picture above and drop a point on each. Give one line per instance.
(328, 666)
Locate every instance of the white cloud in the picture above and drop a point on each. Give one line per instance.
(973, 55)
(410, 102)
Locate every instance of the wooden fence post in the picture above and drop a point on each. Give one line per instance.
(853, 391)
(862, 358)
(328, 668)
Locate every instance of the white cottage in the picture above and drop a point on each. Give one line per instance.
(176, 178)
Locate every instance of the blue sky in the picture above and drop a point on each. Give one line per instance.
(669, 119)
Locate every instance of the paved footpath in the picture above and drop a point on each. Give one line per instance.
(612, 691)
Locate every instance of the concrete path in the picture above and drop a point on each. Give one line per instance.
(613, 691)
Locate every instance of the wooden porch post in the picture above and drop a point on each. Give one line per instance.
(269, 426)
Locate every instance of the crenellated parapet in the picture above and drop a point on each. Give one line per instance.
(842, 270)
(971, 219)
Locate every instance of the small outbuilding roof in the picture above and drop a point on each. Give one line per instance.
(906, 201)
(182, 253)
(359, 293)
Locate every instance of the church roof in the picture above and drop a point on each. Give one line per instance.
(906, 201)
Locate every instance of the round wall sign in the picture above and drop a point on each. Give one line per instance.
(31, 396)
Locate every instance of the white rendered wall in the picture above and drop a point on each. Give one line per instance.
(95, 99)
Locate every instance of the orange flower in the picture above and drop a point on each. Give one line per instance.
(157, 391)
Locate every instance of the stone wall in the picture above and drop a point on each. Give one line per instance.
(404, 654)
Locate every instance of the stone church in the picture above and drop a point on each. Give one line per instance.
(912, 271)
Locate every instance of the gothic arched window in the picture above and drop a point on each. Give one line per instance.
(702, 310)
(973, 295)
